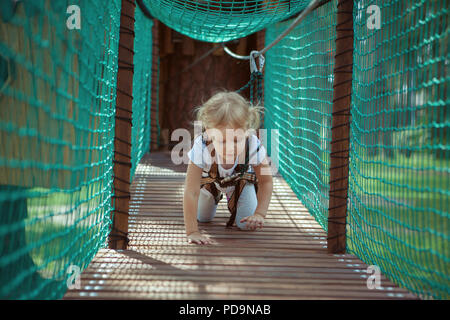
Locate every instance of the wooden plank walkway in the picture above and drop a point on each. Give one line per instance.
(286, 260)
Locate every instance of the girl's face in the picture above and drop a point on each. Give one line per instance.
(228, 142)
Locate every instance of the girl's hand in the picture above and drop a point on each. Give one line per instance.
(198, 238)
(254, 222)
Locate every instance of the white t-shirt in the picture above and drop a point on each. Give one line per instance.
(201, 157)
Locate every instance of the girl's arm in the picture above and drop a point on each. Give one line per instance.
(265, 185)
(190, 203)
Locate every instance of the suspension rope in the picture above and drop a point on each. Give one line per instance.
(144, 9)
(256, 78)
(320, 4)
(312, 5)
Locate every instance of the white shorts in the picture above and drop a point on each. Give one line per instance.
(246, 205)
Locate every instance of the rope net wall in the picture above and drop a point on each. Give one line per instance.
(400, 157)
(142, 89)
(219, 21)
(298, 100)
(399, 184)
(57, 96)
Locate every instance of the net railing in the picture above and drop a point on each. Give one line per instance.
(58, 102)
(298, 86)
(142, 89)
(399, 176)
(399, 180)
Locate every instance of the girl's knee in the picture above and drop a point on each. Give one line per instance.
(245, 210)
(204, 219)
(246, 206)
(206, 206)
(206, 216)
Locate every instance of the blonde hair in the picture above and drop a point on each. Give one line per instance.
(226, 108)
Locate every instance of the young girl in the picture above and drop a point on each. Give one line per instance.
(227, 158)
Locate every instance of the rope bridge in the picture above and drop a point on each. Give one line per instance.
(65, 98)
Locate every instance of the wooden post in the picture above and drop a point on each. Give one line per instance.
(188, 46)
(167, 41)
(340, 128)
(219, 52)
(241, 48)
(118, 238)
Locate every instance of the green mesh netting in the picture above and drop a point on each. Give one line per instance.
(142, 89)
(57, 125)
(399, 180)
(218, 21)
(57, 106)
(298, 100)
(400, 154)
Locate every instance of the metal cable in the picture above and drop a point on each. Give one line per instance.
(312, 5)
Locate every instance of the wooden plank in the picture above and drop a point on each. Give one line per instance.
(282, 291)
(287, 259)
(235, 233)
(236, 276)
(212, 251)
(273, 275)
(114, 295)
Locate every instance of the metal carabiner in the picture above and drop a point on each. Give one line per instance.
(253, 67)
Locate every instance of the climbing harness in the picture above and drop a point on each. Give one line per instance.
(238, 179)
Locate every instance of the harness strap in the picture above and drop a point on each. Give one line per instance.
(233, 201)
(239, 180)
(231, 180)
(211, 187)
